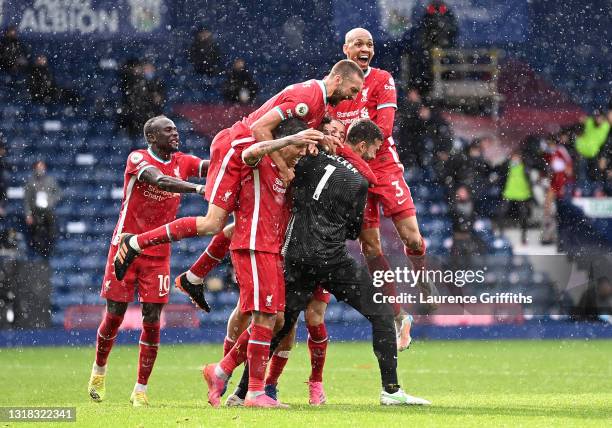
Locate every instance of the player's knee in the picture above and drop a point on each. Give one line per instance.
(116, 308)
(408, 230)
(228, 231)
(264, 319)
(151, 312)
(208, 225)
(413, 240)
(314, 317)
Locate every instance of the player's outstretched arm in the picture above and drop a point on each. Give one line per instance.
(253, 154)
(170, 184)
(262, 131)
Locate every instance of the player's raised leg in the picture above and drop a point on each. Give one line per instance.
(105, 338)
(192, 281)
(130, 245)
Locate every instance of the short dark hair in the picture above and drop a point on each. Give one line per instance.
(148, 126)
(346, 68)
(325, 121)
(289, 127)
(364, 130)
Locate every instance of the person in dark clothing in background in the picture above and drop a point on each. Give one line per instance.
(437, 29)
(13, 53)
(470, 169)
(240, 87)
(411, 149)
(425, 136)
(144, 96)
(42, 194)
(204, 54)
(44, 89)
(465, 243)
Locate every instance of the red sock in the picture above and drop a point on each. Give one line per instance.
(277, 365)
(417, 258)
(258, 353)
(149, 343)
(388, 288)
(107, 332)
(228, 344)
(213, 254)
(317, 346)
(237, 354)
(180, 228)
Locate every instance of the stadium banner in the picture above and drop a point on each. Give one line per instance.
(103, 19)
(479, 21)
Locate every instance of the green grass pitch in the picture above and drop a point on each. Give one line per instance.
(483, 384)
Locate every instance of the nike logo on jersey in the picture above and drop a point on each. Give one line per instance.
(402, 201)
(107, 285)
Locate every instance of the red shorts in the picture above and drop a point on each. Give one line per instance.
(151, 275)
(321, 294)
(393, 194)
(223, 177)
(261, 280)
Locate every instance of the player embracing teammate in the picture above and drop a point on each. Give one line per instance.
(378, 102)
(255, 251)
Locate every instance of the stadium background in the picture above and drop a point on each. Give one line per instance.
(557, 68)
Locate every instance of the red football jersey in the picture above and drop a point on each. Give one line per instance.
(263, 209)
(145, 206)
(378, 93)
(306, 100)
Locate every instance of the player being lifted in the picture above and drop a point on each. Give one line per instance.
(307, 101)
(378, 102)
(153, 180)
(261, 218)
